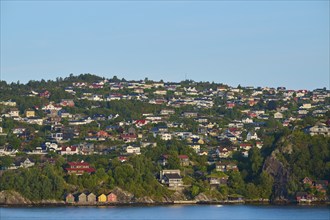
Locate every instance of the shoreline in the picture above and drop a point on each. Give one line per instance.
(137, 204)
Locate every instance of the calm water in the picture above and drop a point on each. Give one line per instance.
(171, 212)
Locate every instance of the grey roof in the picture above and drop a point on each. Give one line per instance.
(172, 176)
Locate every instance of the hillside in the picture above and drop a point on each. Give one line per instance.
(162, 141)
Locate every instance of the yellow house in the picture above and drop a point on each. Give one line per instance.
(30, 113)
(102, 198)
(200, 141)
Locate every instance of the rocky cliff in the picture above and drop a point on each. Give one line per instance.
(13, 198)
(279, 171)
(123, 196)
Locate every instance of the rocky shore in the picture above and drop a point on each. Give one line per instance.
(14, 199)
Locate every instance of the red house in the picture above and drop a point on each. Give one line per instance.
(122, 159)
(184, 160)
(141, 122)
(128, 137)
(103, 134)
(112, 197)
(230, 105)
(44, 94)
(69, 198)
(79, 168)
(69, 150)
(67, 102)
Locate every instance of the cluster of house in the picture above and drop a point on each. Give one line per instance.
(233, 131)
(319, 185)
(241, 132)
(182, 95)
(90, 198)
(173, 178)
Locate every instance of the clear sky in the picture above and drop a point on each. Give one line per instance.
(258, 43)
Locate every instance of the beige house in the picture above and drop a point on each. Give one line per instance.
(278, 115)
(30, 113)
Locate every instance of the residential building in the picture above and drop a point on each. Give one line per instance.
(319, 129)
(69, 150)
(30, 113)
(27, 163)
(133, 150)
(79, 168)
(171, 178)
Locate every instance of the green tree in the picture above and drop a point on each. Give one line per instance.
(255, 159)
(236, 183)
(265, 185)
(252, 191)
(6, 161)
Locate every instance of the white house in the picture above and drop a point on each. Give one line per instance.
(247, 120)
(14, 112)
(166, 136)
(319, 129)
(69, 150)
(196, 147)
(27, 163)
(133, 150)
(251, 136)
(278, 115)
(160, 92)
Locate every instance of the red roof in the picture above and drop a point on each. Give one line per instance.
(183, 157)
(232, 129)
(102, 134)
(78, 163)
(140, 121)
(122, 159)
(80, 167)
(88, 170)
(73, 148)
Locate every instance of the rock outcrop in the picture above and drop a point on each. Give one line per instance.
(123, 196)
(144, 199)
(281, 176)
(13, 198)
(202, 198)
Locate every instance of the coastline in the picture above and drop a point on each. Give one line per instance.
(14, 199)
(137, 204)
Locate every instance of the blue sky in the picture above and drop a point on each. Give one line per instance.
(258, 43)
